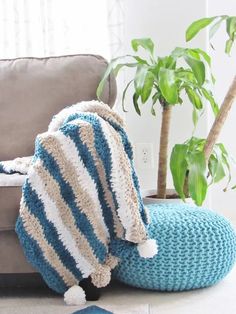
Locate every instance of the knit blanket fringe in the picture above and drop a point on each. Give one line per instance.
(80, 196)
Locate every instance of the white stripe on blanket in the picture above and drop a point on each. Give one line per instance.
(19, 164)
(15, 179)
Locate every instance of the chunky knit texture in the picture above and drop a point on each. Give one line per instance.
(197, 248)
(18, 165)
(81, 193)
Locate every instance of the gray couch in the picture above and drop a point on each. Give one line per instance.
(32, 90)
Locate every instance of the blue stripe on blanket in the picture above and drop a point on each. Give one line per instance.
(67, 194)
(1, 168)
(35, 256)
(50, 232)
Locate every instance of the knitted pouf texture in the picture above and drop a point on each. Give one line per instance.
(197, 248)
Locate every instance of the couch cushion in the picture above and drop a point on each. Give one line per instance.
(9, 207)
(10, 195)
(12, 257)
(34, 89)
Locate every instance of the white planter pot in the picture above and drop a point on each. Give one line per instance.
(150, 200)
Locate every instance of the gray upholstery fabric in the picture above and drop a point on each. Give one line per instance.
(32, 90)
(12, 257)
(9, 207)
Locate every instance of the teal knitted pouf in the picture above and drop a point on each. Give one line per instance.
(197, 248)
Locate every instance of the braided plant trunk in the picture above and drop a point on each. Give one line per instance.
(163, 151)
(220, 120)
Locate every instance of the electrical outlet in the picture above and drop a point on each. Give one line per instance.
(144, 155)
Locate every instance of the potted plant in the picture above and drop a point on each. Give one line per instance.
(215, 161)
(164, 80)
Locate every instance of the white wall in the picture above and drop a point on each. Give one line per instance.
(224, 69)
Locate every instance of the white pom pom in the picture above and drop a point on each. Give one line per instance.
(75, 296)
(148, 249)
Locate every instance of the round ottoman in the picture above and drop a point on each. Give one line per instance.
(197, 248)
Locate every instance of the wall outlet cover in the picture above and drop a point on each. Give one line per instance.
(144, 155)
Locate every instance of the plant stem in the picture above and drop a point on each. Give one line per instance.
(220, 120)
(163, 151)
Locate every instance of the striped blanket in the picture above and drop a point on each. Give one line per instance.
(80, 196)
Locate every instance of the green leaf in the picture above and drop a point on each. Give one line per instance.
(153, 112)
(178, 52)
(231, 27)
(213, 78)
(168, 86)
(208, 95)
(228, 45)
(106, 75)
(195, 117)
(124, 94)
(194, 98)
(121, 65)
(140, 76)
(140, 60)
(216, 168)
(156, 68)
(205, 56)
(226, 163)
(222, 148)
(218, 164)
(197, 67)
(178, 167)
(180, 100)
(196, 144)
(147, 87)
(155, 97)
(145, 43)
(214, 28)
(196, 26)
(135, 102)
(197, 182)
(212, 166)
(169, 62)
(231, 31)
(192, 53)
(186, 76)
